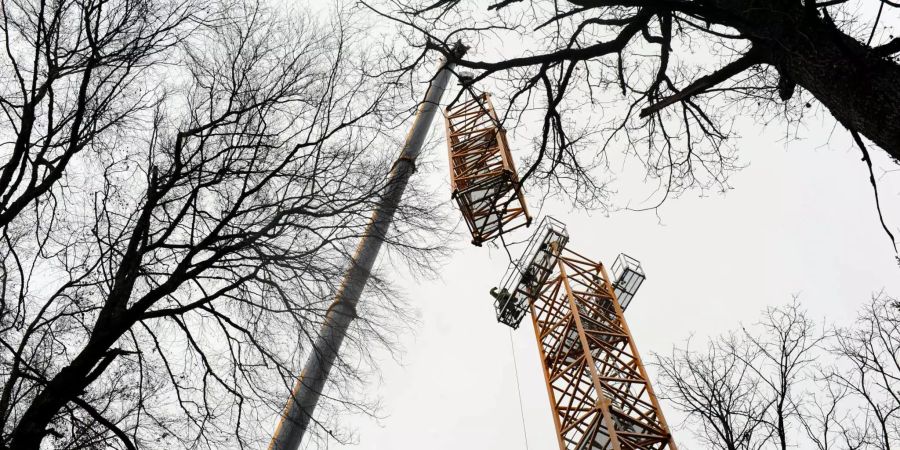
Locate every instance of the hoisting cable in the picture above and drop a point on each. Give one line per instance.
(512, 261)
(512, 347)
(468, 87)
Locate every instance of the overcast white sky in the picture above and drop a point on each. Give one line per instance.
(800, 220)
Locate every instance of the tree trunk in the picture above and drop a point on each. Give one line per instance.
(112, 322)
(860, 87)
(65, 386)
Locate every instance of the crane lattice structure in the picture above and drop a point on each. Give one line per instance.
(599, 390)
(483, 175)
(600, 394)
(598, 387)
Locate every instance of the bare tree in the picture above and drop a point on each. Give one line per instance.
(746, 390)
(786, 343)
(719, 392)
(789, 383)
(73, 74)
(214, 176)
(870, 373)
(827, 420)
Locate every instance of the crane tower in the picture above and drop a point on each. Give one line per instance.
(600, 394)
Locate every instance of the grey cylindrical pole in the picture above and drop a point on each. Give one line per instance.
(302, 402)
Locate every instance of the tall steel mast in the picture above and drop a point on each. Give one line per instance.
(302, 402)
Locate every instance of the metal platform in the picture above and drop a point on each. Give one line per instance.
(524, 278)
(629, 277)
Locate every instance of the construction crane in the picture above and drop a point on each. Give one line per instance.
(600, 394)
(599, 391)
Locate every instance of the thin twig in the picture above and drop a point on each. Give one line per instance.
(868, 160)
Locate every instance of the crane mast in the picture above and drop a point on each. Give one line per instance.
(302, 401)
(600, 395)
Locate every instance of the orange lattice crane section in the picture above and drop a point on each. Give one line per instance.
(483, 176)
(599, 391)
(600, 394)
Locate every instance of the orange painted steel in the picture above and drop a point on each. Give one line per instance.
(599, 391)
(483, 176)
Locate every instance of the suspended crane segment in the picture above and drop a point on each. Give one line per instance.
(483, 176)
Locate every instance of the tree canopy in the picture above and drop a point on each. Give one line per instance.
(182, 184)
